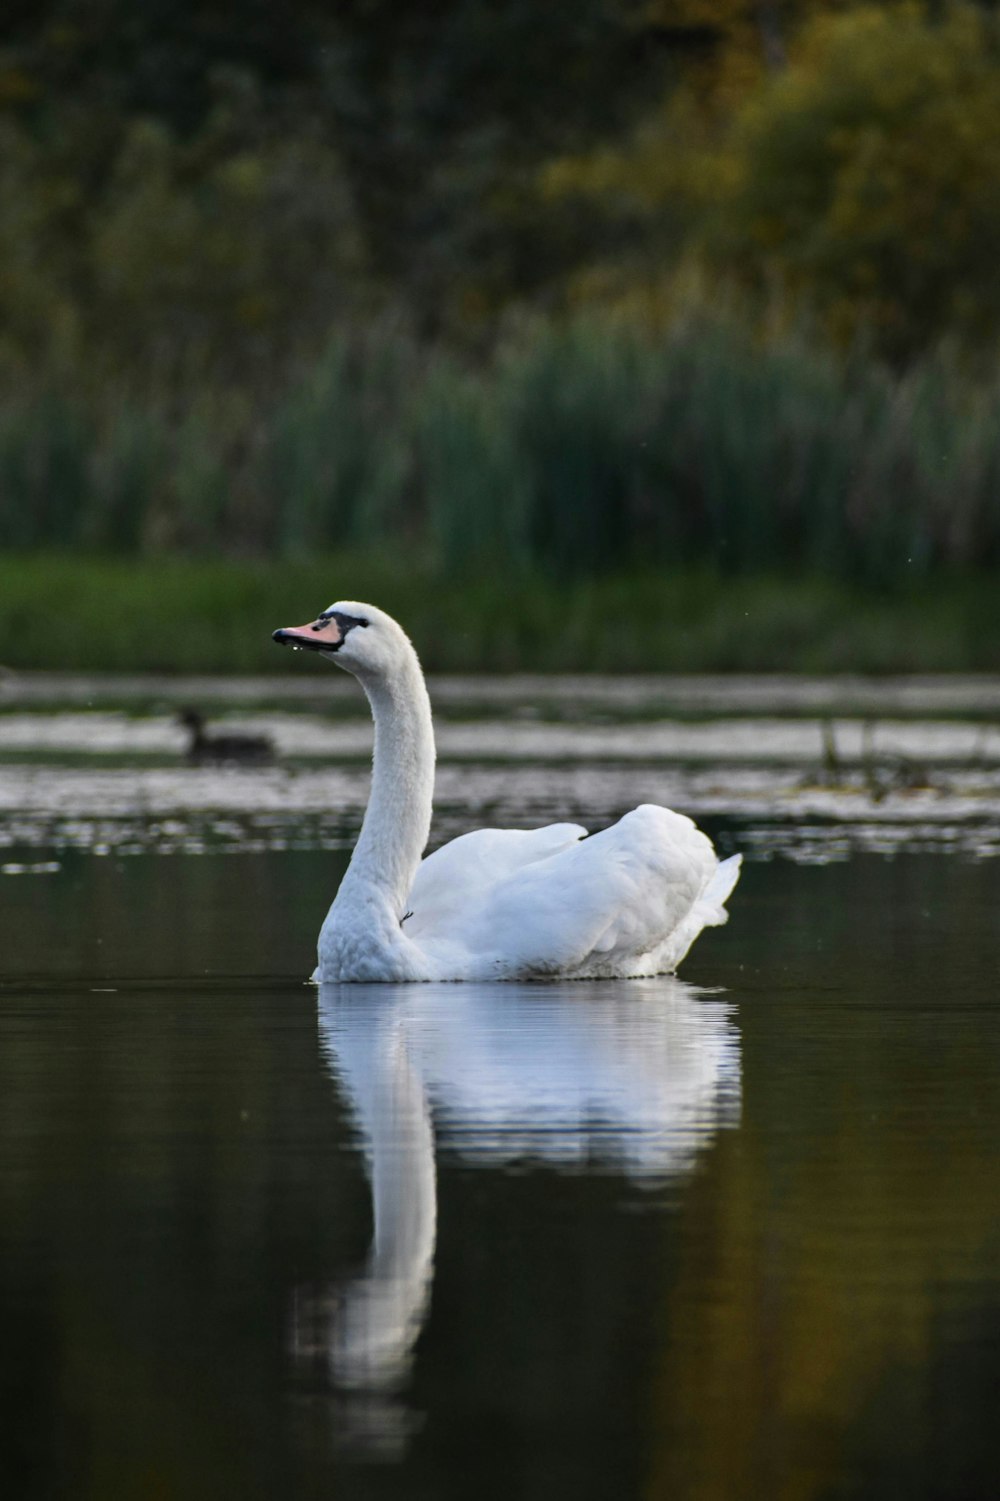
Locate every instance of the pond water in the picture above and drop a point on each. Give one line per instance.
(729, 1235)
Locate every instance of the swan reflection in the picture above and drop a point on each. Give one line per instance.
(634, 1079)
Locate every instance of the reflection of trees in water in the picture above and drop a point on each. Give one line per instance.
(838, 1270)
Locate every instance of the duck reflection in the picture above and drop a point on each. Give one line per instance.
(590, 1076)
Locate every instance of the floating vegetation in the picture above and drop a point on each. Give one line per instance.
(815, 779)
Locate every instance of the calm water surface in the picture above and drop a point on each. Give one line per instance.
(729, 1236)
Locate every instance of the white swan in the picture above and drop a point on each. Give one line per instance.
(496, 904)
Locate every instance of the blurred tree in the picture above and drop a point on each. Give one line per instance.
(176, 199)
(38, 203)
(862, 179)
(436, 114)
(645, 195)
(202, 181)
(226, 241)
(157, 58)
(867, 176)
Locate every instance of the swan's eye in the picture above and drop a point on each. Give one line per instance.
(347, 620)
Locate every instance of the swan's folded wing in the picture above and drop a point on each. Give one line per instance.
(628, 894)
(456, 880)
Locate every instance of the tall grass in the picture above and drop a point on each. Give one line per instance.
(572, 450)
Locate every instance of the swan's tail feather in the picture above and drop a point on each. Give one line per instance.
(712, 902)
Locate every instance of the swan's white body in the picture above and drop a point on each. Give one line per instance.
(496, 904)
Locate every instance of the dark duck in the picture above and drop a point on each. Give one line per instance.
(206, 749)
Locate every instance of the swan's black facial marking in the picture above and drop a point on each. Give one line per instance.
(345, 623)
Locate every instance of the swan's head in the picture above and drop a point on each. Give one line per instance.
(359, 638)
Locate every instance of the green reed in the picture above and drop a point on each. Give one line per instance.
(573, 449)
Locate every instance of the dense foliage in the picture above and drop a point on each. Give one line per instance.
(200, 182)
(278, 278)
(867, 176)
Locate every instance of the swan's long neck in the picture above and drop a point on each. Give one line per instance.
(398, 819)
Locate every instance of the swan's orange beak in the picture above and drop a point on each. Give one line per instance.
(323, 634)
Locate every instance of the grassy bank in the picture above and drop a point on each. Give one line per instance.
(179, 615)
